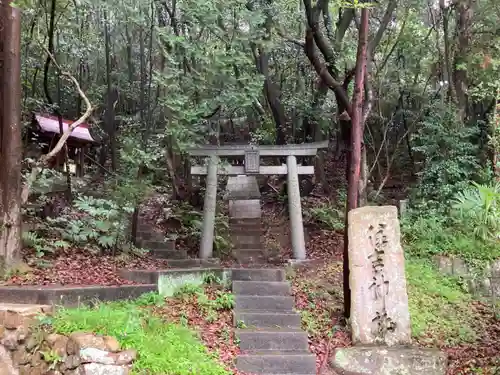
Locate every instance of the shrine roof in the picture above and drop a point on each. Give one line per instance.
(50, 124)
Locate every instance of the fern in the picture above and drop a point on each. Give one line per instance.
(41, 245)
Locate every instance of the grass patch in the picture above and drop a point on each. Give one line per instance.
(440, 310)
(425, 236)
(163, 348)
(208, 309)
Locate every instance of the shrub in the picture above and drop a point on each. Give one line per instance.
(449, 152)
(478, 207)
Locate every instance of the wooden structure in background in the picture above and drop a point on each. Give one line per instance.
(45, 131)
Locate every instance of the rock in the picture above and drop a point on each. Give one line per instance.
(41, 369)
(444, 264)
(25, 370)
(6, 365)
(32, 342)
(58, 343)
(76, 371)
(111, 343)
(10, 340)
(379, 307)
(14, 316)
(495, 268)
(94, 355)
(21, 356)
(37, 359)
(388, 361)
(100, 369)
(2, 331)
(22, 333)
(126, 357)
(82, 340)
(460, 268)
(12, 320)
(71, 362)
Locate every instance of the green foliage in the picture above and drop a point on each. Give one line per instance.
(188, 289)
(265, 135)
(103, 223)
(52, 357)
(216, 67)
(450, 154)
(478, 207)
(326, 215)
(163, 348)
(42, 245)
(192, 225)
(439, 309)
(223, 301)
(431, 233)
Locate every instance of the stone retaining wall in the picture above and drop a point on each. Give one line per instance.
(479, 282)
(28, 350)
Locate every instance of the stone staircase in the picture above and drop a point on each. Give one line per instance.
(246, 237)
(154, 241)
(268, 328)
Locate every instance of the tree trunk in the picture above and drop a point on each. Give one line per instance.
(355, 149)
(109, 117)
(445, 12)
(460, 76)
(10, 136)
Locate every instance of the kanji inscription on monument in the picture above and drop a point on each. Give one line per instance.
(379, 304)
(252, 161)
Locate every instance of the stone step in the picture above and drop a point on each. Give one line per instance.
(145, 227)
(277, 363)
(246, 230)
(272, 339)
(245, 239)
(246, 221)
(248, 246)
(264, 303)
(192, 263)
(262, 288)
(169, 254)
(150, 235)
(157, 245)
(247, 256)
(258, 274)
(262, 319)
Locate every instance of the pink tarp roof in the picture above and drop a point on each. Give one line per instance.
(51, 124)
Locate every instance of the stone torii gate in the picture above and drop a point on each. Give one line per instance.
(252, 166)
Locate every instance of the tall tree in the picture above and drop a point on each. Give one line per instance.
(357, 125)
(10, 135)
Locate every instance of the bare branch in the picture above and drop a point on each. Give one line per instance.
(44, 159)
(391, 7)
(324, 73)
(290, 39)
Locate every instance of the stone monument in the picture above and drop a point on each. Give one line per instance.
(380, 318)
(379, 302)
